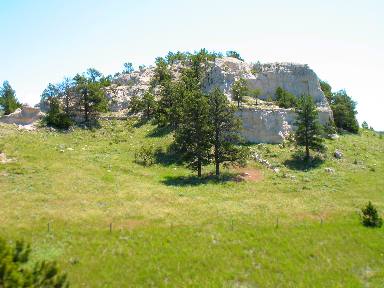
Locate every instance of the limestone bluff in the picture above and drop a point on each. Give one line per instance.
(261, 124)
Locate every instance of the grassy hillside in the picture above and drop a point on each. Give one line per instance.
(295, 228)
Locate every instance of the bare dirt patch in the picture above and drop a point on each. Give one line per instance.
(4, 159)
(249, 174)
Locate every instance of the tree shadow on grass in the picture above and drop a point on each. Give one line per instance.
(298, 162)
(159, 132)
(193, 180)
(167, 158)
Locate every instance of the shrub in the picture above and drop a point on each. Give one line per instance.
(285, 99)
(145, 155)
(370, 217)
(16, 269)
(56, 117)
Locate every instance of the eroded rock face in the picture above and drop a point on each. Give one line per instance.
(266, 125)
(295, 78)
(271, 125)
(23, 116)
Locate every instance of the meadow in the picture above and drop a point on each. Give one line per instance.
(80, 199)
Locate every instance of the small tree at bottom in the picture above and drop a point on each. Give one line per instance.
(370, 217)
(16, 269)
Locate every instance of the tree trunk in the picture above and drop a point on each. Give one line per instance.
(199, 168)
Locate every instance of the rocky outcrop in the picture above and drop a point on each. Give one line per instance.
(23, 116)
(260, 124)
(271, 125)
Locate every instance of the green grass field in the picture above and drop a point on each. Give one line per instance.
(171, 230)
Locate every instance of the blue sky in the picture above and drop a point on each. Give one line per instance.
(342, 41)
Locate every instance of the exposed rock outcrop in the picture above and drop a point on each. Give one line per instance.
(23, 116)
(260, 124)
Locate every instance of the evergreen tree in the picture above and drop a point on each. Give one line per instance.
(8, 100)
(56, 117)
(364, 125)
(193, 135)
(255, 93)
(90, 97)
(344, 112)
(308, 133)
(148, 104)
(327, 90)
(239, 90)
(17, 269)
(285, 99)
(128, 68)
(225, 128)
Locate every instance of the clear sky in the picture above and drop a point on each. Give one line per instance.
(341, 40)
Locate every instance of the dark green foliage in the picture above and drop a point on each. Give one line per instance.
(343, 108)
(193, 135)
(327, 90)
(55, 117)
(90, 98)
(234, 54)
(135, 105)
(370, 217)
(149, 104)
(364, 125)
(178, 56)
(16, 269)
(162, 74)
(145, 104)
(225, 128)
(8, 100)
(256, 68)
(285, 99)
(308, 133)
(344, 112)
(128, 68)
(239, 90)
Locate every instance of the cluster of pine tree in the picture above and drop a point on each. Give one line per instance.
(79, 99)
(205, 126)
(343, 108)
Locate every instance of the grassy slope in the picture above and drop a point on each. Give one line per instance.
(167, 232)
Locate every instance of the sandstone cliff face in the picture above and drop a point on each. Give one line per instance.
(268, 125)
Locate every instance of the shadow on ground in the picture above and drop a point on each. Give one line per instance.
(298, 162)
(195, 181)
(159, 131)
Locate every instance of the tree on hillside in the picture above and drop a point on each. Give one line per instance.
(17, 269)
(93, 75)
(225, 129)
(343, 108)
(364, 125)
(308, 133)
(239, 90)
(128, 68)
(8, 100)
(327, 90)
(193, 135)
(149, 104)
(66, 94)
(55, 116)
(90, 97)
(344, 112)
(255, 94)
(285, 99)
(234, 54)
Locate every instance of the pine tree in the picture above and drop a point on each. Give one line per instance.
(370, 216)
(308, 133)
(193, 135)
(149, 104)
(8, 99)
(225, 126)
(17, 269)
(239, 90)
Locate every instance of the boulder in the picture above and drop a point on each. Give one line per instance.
(338, 154)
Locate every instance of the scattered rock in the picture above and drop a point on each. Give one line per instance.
(4, 159)
(333, 136)
(330, 170)
(338, 154)
(276, 170)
